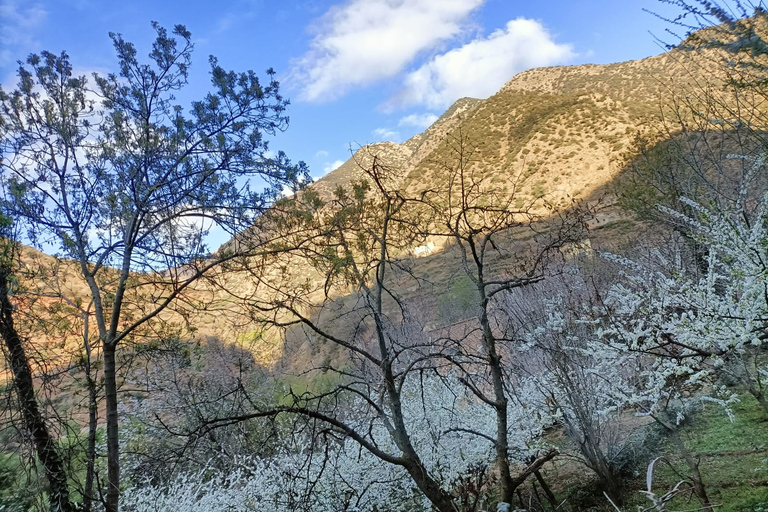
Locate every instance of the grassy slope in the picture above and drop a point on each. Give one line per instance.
(734, 465)
(734, 457)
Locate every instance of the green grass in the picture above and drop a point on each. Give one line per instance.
(713, 432)
(733, 464)
(733, 459)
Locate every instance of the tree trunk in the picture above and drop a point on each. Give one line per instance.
(44, 443)
(502, 451)
(500, 400)
(113, 443)
(90, 469)
(582, 431)
(440, 499)
(547, 490)
(754, 387)
(596, 461)
(698, 483)
(760, 397)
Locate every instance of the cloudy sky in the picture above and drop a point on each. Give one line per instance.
(357, 71)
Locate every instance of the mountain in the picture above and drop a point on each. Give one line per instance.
(328, 316)
(550, 136)
(560, 132)
(555, 134)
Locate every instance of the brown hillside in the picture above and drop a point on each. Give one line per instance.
(551, 134)
(557, 133)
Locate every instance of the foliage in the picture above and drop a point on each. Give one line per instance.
(396, 416)
(15, 485)
(130, 187)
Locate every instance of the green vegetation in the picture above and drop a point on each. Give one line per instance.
(733, 459)
(733, 455)
(18, 488)
(367, 377)
(458, 302)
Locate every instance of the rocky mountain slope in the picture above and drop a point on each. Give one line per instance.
(550, 135)
(559, 132)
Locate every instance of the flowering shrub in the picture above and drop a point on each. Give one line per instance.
(450, 428)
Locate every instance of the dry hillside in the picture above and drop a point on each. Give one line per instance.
(553, 134)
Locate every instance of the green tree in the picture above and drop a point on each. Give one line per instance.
(129, 186)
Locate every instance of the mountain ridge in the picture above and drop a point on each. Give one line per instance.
(548, 135)
(567, 130)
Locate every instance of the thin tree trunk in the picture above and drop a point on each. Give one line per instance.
(760, 397)
(502, 448)
(536, 494)
(441, 500)
(596, 461)
(500, 399)
(547, 491)
(698, 483)
(44, 443)
(90, 468)
(531, 469)
(113, 442)
(582, 431)
(754, 386)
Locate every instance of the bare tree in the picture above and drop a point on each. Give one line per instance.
(485, 226)
(360, 239)
(360, 252)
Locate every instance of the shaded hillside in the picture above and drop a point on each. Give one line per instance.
(550, 135)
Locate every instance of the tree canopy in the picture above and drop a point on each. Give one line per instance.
(114, 174)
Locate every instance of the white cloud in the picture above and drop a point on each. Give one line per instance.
(332, 166)
(481, 67)
(286, 191)
(385, 134)
(18, 22)
(364, 41)
(422, 121)
(321, 154)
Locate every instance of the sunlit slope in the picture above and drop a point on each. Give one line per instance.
(555, 133)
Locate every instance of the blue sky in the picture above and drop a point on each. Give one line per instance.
(356, 71)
